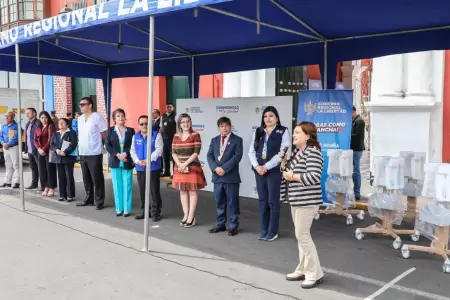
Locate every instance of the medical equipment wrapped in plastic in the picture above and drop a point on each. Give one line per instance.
(414, 173)
(388, 185)
(339, 180)
(395, 175)
(407, 157)
(391, 200)
(379, 170)
(436, 211)
(333, 161)
(429, 181)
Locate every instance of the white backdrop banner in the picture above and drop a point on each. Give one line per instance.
(245, 115)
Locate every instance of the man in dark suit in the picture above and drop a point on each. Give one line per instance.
(224, 155)
(156, 119)
(30, 148)
(168, 130)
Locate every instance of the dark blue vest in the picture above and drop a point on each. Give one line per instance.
(273, 145)
(140, 144)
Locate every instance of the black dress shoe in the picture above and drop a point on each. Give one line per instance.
(126, 215)
(16, 186)
(119, 214)
(69, 199)
(84, 204)
(61, 199)
(31, 187)
(217, 229)
(5, 185)
(156, 218)
(232, 231)
(100, 207)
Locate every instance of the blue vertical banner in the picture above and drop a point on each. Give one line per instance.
(331, 111)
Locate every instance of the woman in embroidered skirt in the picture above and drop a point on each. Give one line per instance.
(188, 175)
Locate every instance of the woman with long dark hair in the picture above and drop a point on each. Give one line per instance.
(42, 138)
(270, 143)
(64, 155)
(302, 175)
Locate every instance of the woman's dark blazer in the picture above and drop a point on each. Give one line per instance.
(112, 144)
(56, 144)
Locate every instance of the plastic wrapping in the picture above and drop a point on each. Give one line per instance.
(407, 157)
(395, 175)
(442, 183)
(430, 216)
(379, 172)
(340, 170)
(382, 200)
(417, 166)
(429, 182)
(333, 161)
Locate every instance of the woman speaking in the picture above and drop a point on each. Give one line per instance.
(304, 194)
(269, 145)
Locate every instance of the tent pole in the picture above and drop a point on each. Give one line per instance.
(108, 95)
(193, 77)
(151, 65)
(325, 65)
(19, 113)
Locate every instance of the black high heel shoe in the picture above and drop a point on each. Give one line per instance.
(191, 224)
(183, 223)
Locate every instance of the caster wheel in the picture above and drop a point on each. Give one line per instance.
(317, 217)
(405, 252)
(359, 235)
(415, 237)
(361, 215)
(446, 268)
(397, 244)
(349, 220)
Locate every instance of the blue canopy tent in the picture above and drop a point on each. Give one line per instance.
(114, 39)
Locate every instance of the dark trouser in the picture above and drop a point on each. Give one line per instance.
(66, 180)
(47, 172)
(227, 194)
(357, 173)
(167, 155)
(155, 193)
(269, 201)
(33, 159)
(93, 179)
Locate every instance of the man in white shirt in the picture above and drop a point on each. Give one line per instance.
(91, 134)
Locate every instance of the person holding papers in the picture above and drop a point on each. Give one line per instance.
(64, 154)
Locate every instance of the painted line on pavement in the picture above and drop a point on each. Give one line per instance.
(383, 283)
(390, 284)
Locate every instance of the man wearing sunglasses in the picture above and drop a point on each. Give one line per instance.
(91, 135)
(138, 153)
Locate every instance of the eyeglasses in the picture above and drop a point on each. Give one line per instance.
(143, 124)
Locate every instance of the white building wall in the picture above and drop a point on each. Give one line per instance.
(27, 81)
(406, 104)
(258, 83)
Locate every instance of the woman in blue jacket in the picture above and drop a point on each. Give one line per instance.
(270, 143)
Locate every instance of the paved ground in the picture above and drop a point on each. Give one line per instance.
(353, 268)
